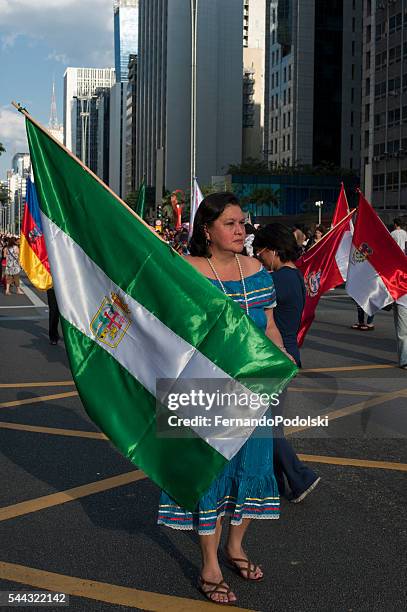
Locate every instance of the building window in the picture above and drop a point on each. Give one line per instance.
(352, 95)
(368, 60)
(367, 112)
(369, 8)
(274, 15)
(351, 163)
(283, 143)
(351, 142)
(276, 79)
(368, 33)
(353, 48)
(367, 133)
(285, 96)
(272, 102)
(351, 119)
(276, 123)
(353, 24)
(289, 95)
(277, 56)
(284, 120)
(289, 117)
(353, 72)
(367, 87)
(289, 72)
(288, 142)
(285, 75)
(273, 37)
(273, 58)
(272, 81)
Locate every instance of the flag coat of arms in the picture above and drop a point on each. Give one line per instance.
(133, 312)
(33, 252)
(377, 274)
(321, 271)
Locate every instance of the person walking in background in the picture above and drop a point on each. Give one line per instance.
(275, 246)
(13, 268)
(399, 311)
(361, 325)
(399, 234)
(53, 317)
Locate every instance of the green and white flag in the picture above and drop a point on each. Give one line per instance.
(133, 311)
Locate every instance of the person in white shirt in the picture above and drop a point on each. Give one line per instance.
(399, 234)
(400, 311)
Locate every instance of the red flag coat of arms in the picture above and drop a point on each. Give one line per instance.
(321, 271)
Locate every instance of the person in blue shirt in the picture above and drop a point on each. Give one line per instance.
(275, 246)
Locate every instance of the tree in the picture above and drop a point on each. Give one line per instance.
(2, 149)
(263, 196)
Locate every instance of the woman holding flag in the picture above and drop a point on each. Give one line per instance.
(246, 488)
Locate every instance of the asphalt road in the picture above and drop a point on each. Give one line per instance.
(68, 524)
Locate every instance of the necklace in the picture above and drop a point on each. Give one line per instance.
(241, 279)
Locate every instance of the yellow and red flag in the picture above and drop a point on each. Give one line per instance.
(33, 252)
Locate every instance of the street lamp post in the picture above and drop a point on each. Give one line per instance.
(194, 21)
(319, 205)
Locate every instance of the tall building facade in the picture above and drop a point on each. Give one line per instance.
(81, 89)
(163, 128)
(384, 106)
(313, 82)
(131, 111)
(126, 14)
(254, 46)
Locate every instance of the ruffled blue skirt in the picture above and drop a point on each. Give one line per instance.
(246, 488)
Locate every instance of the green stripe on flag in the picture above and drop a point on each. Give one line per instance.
(126, 412)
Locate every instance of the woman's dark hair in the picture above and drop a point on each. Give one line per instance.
(209, 210)
(12, 241)
(277, 237)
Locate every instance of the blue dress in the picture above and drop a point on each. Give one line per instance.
(246, 488)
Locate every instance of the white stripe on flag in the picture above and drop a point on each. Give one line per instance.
(149, 349)
(366, 287)
(342, 254)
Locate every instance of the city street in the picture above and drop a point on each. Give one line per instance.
(78, 518)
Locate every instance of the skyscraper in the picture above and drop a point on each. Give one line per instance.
(313, 82)
(81, 87)
(384, 107)
(54, 127)
(163, 130)
(125, 35)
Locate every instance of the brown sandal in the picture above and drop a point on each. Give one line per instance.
(234, 564)
(219, 587)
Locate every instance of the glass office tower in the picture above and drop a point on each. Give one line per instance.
(125, 35)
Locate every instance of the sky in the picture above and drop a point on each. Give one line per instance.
(38, 41)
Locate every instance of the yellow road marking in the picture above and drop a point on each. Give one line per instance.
(349, 368)
(103, 591)
(62, 383)
(36, 400)
(352, 409)
(365, 463)
(75, 433)
(56, 499)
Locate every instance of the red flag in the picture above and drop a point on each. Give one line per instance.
(321, 271)
(377, 273)
(342, 207)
